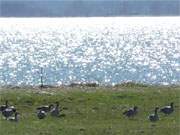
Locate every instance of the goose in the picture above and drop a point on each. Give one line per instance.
(3, 107)
(46, 108)
(9, 111)
(15, 118)
(131, 112)
(55, 111)
(168, 109)
(41, 114)
(154, 117)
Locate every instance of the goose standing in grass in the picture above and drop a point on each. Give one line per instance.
(8, 112)
(55, 111)
(168, 109)
(46, 108)
(154, 117)
(15, 118)
(131, 112)
(41, 114)
(3, 107)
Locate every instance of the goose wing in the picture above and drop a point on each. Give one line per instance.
(55, 112)
(153, 117)
(128, 111)
(44, 108)
(166, 109)
(41, 114)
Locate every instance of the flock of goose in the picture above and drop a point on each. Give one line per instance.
(41, 112)
(154, 116)
(54, 110)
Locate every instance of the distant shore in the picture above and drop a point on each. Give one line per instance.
(87, 85)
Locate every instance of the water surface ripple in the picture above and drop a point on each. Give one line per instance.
(103, 50)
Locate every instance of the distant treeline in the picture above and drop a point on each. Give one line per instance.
(89, 8)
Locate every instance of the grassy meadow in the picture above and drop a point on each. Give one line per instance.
(93, 110)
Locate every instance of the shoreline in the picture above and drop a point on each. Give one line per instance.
(89, 85)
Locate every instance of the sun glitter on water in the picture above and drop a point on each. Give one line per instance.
(103, 50)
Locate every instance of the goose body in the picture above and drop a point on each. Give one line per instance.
(55, 112)
(8, 112)
(154, 117)
(41, 114)
(15, 118)
(167, 109)
(131, 112)
(46, 108)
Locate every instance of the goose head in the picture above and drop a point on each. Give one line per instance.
(57, 104)
(172, 104)
(156, 109)
(135, 108)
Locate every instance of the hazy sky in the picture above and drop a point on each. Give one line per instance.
(61, 8)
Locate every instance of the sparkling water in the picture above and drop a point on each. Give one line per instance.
(103, 50)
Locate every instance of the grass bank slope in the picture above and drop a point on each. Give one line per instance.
(93, 111)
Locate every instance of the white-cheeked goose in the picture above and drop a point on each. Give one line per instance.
(154, 117)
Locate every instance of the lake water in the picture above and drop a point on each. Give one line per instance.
(103, 50)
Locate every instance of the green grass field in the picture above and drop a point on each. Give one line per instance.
(93, 111)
